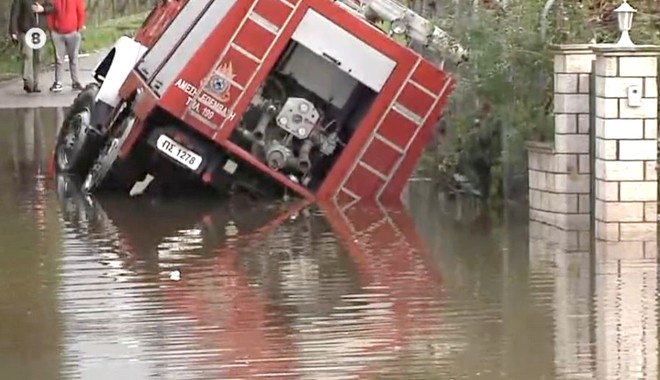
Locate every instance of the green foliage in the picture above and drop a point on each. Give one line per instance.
(502, 96)
(504, 93)
(106, 20)
(109, 31)
(93, 39)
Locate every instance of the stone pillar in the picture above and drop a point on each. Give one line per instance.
(626, 183)
(559, 175)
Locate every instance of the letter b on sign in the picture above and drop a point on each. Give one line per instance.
(35, 38)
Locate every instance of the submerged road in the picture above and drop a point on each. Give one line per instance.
(12, 94)
(109, 287)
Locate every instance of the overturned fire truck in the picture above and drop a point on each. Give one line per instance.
(265, 96)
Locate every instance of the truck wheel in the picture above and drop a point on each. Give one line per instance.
(108, 156)
(79, 211)
(75, 140)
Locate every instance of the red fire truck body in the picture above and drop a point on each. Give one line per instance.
(265, 95)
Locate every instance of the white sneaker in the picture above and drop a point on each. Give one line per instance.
(56, 87)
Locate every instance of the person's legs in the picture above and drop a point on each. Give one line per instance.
(72, 49)
(36, 69)
(26, 62)
(60, 49)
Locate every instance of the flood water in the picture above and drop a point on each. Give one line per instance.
(88, 288)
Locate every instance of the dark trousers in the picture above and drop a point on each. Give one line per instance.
(30, 62)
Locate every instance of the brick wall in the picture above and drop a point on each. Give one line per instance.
(559, 173)
(558, 196)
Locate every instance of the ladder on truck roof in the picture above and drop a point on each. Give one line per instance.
(405, 22)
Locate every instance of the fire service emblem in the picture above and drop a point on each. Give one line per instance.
(220, 81)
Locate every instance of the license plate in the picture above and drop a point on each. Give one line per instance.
(182, 155)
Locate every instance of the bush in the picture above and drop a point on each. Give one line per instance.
(504, 94)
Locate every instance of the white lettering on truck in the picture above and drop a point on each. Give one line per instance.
(206, 100)
(186, 87)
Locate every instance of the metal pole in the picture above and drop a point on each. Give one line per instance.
(544, 18)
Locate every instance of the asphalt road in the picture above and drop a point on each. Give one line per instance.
(13, 96)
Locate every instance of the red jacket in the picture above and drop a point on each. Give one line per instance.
(68, 16)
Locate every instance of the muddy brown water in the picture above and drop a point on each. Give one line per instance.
(87, 288)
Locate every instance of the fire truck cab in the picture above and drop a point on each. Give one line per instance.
(268, 96)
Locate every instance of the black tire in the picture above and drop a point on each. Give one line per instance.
(105, 164)
(76, 142)
(73, 205)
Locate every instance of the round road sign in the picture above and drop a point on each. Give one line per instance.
(35, 38)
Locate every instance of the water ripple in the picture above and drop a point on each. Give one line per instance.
(97, 288)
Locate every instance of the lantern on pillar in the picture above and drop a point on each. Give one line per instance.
(624, 15)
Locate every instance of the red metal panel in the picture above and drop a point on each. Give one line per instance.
(214, 108)
(240, 65)
(393, 189)
(207, 114)
(397, 128)
(132, 138)
(141, 109)
(380, 156)
(344, 199)
(415, 100)
(145, 105)
(199, 123)
(174, 99)
(226, 99)
(405, 60)
(268, 62)
(362, 182)
(254, 39)
(157, 20)
(430, 77)
(132, 82)
(274, 11)
(248, 35)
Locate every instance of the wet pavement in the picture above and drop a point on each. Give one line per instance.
(12, 95)
(105, 288)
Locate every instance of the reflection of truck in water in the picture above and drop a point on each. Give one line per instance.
(297, 292)
(262, 96)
